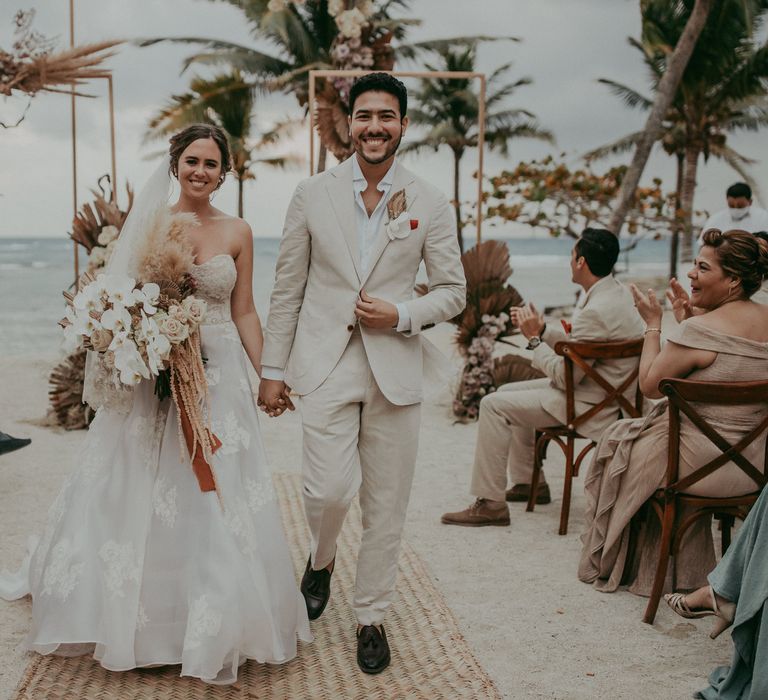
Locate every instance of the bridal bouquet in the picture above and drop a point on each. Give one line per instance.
(134, 326)
(148, 327)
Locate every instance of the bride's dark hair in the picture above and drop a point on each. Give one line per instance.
(183, 138)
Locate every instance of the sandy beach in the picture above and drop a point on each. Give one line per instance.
(535, 628)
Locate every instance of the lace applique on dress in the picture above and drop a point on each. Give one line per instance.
(203, 622)
(121, 565)
(164, 502)
(259, 493)
(212, 374)
(141, 618)
(232, 435)
(61, 575)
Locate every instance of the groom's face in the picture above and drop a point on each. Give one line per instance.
(376, 127)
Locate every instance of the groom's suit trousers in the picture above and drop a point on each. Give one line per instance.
(355, 440)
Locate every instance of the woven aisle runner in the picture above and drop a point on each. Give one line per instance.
(430, 657)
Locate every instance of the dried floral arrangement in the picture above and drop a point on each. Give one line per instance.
(484, 320)
(31, 66)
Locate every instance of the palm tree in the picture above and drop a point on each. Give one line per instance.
(722, 90)
(304, 36)
(673, 138)
(227, 101)
(449, 108)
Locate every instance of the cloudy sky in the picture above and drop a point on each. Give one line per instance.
(565, 46)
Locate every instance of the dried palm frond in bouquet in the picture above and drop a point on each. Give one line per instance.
(66, 393)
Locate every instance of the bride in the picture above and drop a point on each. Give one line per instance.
(137, 565)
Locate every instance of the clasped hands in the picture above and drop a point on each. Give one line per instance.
(274, 397)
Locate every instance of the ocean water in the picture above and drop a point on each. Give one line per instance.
(35, 271)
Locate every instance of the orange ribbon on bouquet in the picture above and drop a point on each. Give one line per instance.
(189, 390)
(200, 464)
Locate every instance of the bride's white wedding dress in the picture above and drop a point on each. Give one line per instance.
(138, 566)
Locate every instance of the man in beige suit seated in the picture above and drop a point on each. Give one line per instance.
(343, 332)
(509, 417)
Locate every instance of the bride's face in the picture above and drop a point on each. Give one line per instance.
(199, 169)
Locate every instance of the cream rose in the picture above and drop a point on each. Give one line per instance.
(177, 312)
(174, 329)
(194, 309)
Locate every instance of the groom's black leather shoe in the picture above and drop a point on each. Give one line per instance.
(372, 649)
(316, 589)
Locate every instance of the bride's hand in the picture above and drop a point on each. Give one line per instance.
(680, 301)
(647, 306)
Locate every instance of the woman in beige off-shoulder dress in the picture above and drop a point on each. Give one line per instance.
(723, 336)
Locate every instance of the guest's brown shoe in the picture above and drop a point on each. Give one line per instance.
(519, 494)
(480, 513)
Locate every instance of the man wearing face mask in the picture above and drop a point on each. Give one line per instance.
(740, 214)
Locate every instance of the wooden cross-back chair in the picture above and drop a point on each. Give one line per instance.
(580, 354)
(667, 501)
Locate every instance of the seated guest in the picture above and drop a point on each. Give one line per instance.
(738, 596)
(510, 416)
(726, 340)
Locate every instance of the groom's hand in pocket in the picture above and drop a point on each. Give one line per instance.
(274, 397)
(376, 313)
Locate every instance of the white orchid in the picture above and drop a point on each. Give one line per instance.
(73, 338)
(148, 296)
(120, 289)
(88, 299)
(116, 319)
(129, 363)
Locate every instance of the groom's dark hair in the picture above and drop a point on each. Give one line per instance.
(600, 249)
(379, 82)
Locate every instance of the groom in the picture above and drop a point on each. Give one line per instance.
(343, 332)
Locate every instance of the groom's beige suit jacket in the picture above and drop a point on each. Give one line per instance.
(319, 277)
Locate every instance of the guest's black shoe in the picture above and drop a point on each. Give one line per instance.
(316, 589)
(9, 444)
(372, 649)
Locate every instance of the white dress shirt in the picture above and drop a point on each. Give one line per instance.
(368, 229)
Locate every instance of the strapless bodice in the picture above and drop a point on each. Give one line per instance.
(215, 280)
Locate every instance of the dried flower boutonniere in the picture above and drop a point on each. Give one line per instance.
(400, 223)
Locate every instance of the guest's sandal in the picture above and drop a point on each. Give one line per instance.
(725, 613)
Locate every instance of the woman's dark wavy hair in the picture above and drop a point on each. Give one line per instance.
(181, 140)
(741, 255)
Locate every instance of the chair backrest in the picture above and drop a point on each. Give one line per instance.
(580, 354)
(681, 393)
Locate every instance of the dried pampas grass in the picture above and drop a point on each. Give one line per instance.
(167, 257)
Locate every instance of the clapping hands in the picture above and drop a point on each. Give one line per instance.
(528, 319)
(680, 301)
(647, 306)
